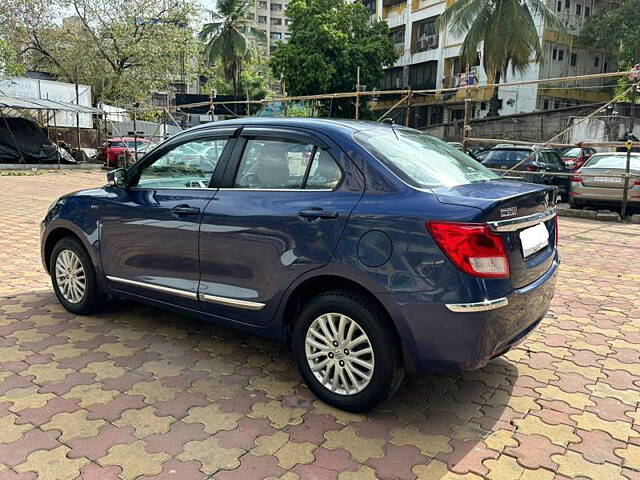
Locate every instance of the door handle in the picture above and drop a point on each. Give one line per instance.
(317, 213)
(185, 210)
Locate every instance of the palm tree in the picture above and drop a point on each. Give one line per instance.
(231, 37)
(508, 30)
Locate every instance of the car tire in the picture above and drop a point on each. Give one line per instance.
(352, 391)
(74, 278)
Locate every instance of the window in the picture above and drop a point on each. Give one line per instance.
(596, 61)
(393, 79)
(574, 59)
(559, 6)
(421, 160)
(324, 173)
(423, 75)
(262, 5)
(560, 55)
(397, 36)
(276, 21)
(276, 36)
(189, 165)
(287, 36)
(262, 19)
(545, 104)
(587, 11)
(276, 164)
(276, 7)
(287, 21)
(554, 54)
(605, 67)
(427, 35)
(567, 4)
(578, 9)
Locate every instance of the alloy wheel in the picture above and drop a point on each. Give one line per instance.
(70, 276)
(339, 353)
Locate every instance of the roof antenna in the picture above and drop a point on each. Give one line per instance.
(387, 121)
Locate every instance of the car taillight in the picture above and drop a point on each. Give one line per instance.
(532, 168)
(576, 180)
(472, 247)
(636, 183)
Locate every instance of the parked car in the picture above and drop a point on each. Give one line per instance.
(575, 157)
(115, 150)
(389, 252)
(601, 181)
(546, 160)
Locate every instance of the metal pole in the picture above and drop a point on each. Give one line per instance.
(407, 112)
(623, 209)
(135, 137)
(358, 93)
(164, 122)
(55, 134)
(77, 114)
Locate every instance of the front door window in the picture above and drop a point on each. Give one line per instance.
(189, 165)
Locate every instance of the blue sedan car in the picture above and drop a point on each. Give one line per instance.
(372, 249)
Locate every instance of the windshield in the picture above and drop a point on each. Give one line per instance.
(613, 161)
(507, 157)
(420, 160)
(570, 152)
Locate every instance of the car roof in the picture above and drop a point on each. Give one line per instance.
(521, 148)
(127, 139)
(327, 125)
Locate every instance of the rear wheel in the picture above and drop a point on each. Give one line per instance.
(73, 277)
(347, 351)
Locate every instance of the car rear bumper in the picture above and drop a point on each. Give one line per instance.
(436, 338)
(604, 194)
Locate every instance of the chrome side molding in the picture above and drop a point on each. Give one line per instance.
(151, 286)
(232, 302)
(479, 306)
(513, 224)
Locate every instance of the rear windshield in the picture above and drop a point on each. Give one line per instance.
(129, 144)
(420, 160)
(612, 161)
(506, 157)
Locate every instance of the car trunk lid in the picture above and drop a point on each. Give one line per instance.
(602, 177)
(514, 210)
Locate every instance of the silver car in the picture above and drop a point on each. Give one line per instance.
(602, 181)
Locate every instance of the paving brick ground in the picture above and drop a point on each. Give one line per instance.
(136, 392)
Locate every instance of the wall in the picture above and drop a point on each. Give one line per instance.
(539, 126)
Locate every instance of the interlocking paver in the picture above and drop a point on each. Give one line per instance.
(137, 392)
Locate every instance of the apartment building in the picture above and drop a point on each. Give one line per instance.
(429, 59)
(270, 18)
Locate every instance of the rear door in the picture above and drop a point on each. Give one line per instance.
(285, 200)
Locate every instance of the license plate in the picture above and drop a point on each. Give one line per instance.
(608, 179)
(534, 239)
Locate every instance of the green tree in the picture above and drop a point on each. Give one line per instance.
(124, 49)
(231, 38)
(508, 30)
(9, 65)
(329, 40)
(617, 29)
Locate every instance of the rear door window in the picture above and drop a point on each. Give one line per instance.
(268, 164)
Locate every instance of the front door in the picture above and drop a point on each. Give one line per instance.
(149, 230)
(281, 211)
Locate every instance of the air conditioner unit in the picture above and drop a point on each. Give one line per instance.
(432, 41)
(422, 44)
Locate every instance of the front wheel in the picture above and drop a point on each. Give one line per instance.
(73, 277)
(347, 351)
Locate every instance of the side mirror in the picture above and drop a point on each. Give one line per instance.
(117, 177)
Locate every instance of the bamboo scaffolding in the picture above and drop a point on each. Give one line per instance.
(378, 93)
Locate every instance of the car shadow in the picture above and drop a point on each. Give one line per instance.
(447, 416)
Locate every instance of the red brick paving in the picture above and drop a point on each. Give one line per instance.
(562, 405)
